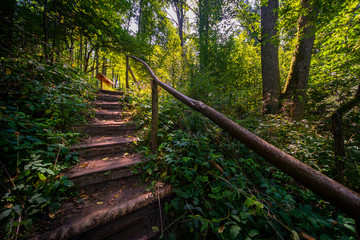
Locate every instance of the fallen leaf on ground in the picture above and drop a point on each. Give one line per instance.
(99, 203)
(84, 165)
(84, 197)
(155, 229)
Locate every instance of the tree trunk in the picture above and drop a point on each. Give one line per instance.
(139, 19)
(97, 60)
(179, 9)
(80, 52)
(104, 68)
(7, 12)
(297, 80)
(54, 37)
(46, 37)
(203, 34)
(270, 57)
(337, 130)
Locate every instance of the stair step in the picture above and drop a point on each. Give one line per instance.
(111, 92)
(106, 129)
(94, 214)
(104, 169)
(127, 227)
(108, 98)
(108, 105)
(98, 146)
(111, 114)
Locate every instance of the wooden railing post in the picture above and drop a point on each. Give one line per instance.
(154, 115)
(127, 73)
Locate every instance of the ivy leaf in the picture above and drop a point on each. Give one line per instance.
(234, 231)
(68, 183)
(204, 226)
(5, 214)
(41, 177)
(253, 232)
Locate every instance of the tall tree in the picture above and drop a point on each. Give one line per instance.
(297, 80)
(179, 7)
(270, 56)
(204, 33)
(7, 12)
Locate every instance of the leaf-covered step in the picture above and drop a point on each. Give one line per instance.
(98, 146)
(92, 214)
(108, 98)
(111, 92)
(111, 115)
(108, 105)
(104, 169)
(104, 129)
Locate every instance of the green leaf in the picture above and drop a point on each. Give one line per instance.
(234, 231)
(5, 214)
(236, 218)
(286, 218)
(253, 232)
(39, 200)
(229, 205)
(67, 157)
(155, 229)
(41, 177)
(17, 209)
(204, 226)
(68, 183)
(351, 228)
(294, 235)
(54, 206)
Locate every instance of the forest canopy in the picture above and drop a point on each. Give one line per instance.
(287, 70)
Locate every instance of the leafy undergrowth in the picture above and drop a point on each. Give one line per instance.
(225, 191)
(39, 103)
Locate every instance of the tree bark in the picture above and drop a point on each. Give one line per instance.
(203, 34)
(337, 130)
(297, 80)
(179, 9)
(270, 57)
(7, 12)
(80, 52)
(45, 29)
(104, 68)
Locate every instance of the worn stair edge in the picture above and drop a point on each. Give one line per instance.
(102, 177)
(105, 129)
(108, 105)
(123, 227)
(101, 217)
(106, 144)
(97, 175)
(108, 98)
(111, 92)
(91, 153)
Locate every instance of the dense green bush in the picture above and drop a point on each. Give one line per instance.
(38, 105)
(225, 191)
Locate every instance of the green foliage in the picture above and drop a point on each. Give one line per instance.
(39, 103)
(225, 191)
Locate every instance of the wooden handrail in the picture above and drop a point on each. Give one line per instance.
(334, 192)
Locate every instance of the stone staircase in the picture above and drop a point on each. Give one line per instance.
(111, 202)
